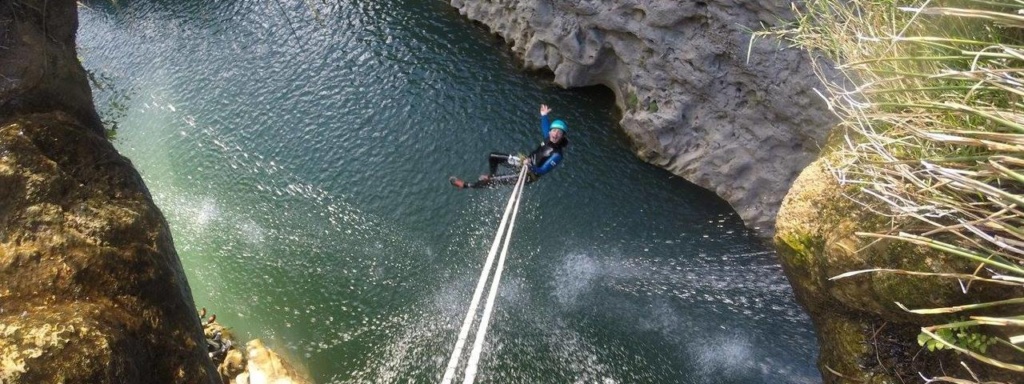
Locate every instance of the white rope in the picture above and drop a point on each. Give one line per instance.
(478, 344)
(453, 362)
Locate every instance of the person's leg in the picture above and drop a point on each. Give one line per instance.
(496, 159)
(493, 181)
(489, 180)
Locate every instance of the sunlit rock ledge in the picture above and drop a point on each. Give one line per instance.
(692, 99)
(251, 363)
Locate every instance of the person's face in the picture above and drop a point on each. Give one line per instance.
(555, 135)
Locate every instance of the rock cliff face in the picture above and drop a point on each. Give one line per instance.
(91, 289)
(692, 100)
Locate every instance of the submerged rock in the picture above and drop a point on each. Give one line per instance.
(693, 100)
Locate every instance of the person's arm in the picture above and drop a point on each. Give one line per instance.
(548, 165)
(545, 124)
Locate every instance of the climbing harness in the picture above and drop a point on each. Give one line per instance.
(474, 356)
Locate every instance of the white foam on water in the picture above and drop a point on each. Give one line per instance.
(574, 354)
(252, 232)
(732, 356)
(681, 298)
(574, 277)
(722, 357)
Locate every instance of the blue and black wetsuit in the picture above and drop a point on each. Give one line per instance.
(543, 159)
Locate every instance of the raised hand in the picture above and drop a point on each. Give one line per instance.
(544, 110)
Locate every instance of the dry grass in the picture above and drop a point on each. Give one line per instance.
(934, 135)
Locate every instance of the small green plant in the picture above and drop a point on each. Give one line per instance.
(632, 100)
(112, 101)
(961, 336)
(652, 107)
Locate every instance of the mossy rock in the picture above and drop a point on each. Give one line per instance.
(93, 290)
(817, 240)
(810, 224)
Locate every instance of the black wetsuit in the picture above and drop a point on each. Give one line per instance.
(548, 155)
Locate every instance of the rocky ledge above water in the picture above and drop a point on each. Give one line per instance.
(253, 363)
(693, 101)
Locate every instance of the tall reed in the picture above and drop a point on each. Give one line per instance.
(930, 104)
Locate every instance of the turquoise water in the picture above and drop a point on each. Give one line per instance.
(301, 150)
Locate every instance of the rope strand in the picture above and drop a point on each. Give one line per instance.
(467, 322)
(474, 356)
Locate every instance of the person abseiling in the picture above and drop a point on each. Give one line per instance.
(542, 160)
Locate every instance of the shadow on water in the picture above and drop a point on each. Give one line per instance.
(302, 164)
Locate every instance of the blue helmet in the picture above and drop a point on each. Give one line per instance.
(559, 124)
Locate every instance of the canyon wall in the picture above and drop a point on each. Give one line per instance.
(91, 288)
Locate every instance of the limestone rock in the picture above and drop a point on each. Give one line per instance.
(91, 289)
(266, 367)
(693, 101)
(232, 367)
